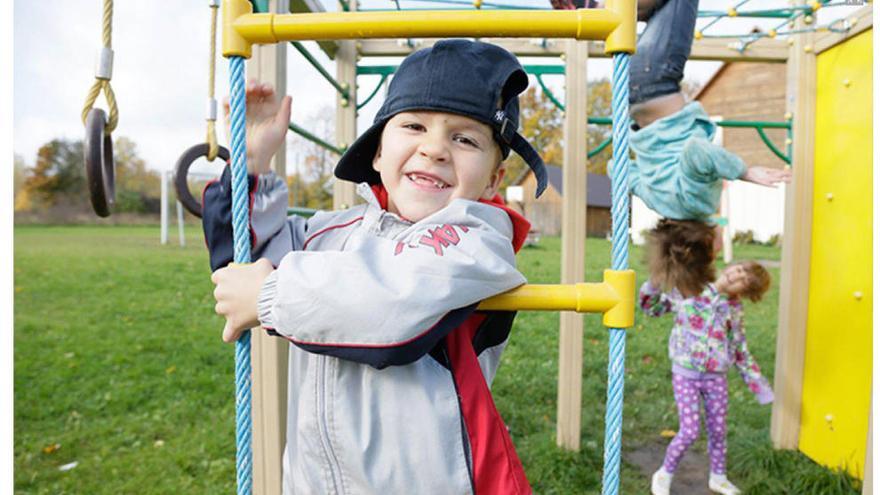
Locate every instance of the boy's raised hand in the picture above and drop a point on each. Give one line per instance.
(237, 291)
(766, 176)
(267, 119)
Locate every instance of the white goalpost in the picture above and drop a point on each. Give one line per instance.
(168, 178)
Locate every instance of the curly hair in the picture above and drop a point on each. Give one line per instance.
(680, 255)
(758, 280)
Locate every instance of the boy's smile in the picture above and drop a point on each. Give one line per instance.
(426, 159)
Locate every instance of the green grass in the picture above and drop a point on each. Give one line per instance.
(118, 360)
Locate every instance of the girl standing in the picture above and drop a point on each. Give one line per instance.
(706, 339)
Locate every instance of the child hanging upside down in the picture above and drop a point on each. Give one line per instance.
(678, 171)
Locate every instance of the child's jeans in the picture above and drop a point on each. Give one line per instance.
(711, 390)
(657, 67)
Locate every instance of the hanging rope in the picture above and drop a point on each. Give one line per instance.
(242, 254)
(213, 147)
(209, 149)
(619, 246)
(103, 73)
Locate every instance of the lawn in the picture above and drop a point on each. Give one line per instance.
(119, 369)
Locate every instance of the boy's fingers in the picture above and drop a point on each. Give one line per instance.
(229, 333)
(282, 118)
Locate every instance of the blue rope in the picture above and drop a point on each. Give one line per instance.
(619, 253)
(241, 236)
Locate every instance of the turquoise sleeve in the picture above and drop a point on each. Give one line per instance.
(707, 162)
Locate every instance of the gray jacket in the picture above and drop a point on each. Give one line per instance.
(390, 365)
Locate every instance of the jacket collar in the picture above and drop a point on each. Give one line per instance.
(377, 196)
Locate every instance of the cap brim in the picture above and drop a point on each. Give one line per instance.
(522, 148)
(356, 164)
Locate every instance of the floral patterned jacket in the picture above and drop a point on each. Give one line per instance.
(708, 335)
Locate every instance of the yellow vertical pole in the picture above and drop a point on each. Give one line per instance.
(574, 207)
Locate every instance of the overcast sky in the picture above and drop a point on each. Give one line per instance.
(160, 71)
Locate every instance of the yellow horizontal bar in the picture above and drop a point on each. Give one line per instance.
(583, 298)
(582, 24)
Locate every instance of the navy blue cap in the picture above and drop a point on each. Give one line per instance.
(470, 78)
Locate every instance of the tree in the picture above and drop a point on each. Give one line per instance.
(309, 185)
(138, 189)
(18, 176)
(542, 124)
(57, 181)
(58, 176)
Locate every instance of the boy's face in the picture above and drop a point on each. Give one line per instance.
(427, 159)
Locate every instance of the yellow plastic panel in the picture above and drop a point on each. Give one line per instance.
(837, 365)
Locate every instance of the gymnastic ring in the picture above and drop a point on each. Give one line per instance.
(98, 155)
(181, 170)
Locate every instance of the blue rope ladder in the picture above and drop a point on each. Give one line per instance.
(619, 255)
(242, 254)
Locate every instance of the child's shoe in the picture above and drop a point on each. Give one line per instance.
(718, 483)
(660, 482)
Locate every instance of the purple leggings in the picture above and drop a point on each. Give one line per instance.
(689, 392)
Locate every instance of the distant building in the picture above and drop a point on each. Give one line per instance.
(545, 213)
(748, 91)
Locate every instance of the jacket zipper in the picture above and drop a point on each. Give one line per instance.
(323, 430)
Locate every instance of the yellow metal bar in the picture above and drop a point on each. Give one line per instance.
(623, 38)
(623, 282)
(235, 45)
(582, 297)
(582, 24)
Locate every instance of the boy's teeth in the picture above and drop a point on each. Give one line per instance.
(422, 179)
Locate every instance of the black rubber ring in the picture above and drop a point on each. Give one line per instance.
(181, 170)
(98, 156)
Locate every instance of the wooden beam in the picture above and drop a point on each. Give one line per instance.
(574, 200)
(858, 22)
(794, 280)
(765, 50)
(724, 50)
(269, 354)
(346, 115)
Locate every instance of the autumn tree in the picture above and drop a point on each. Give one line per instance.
(542, 122)
(311, 183)
(57, 177)
(57, 181)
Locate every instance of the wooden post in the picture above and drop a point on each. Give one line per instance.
(346, 113)
(269, 354)
(574, 207)
(794, 280)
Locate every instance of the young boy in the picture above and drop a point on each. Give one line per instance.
(390, 364)
(678, 170)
